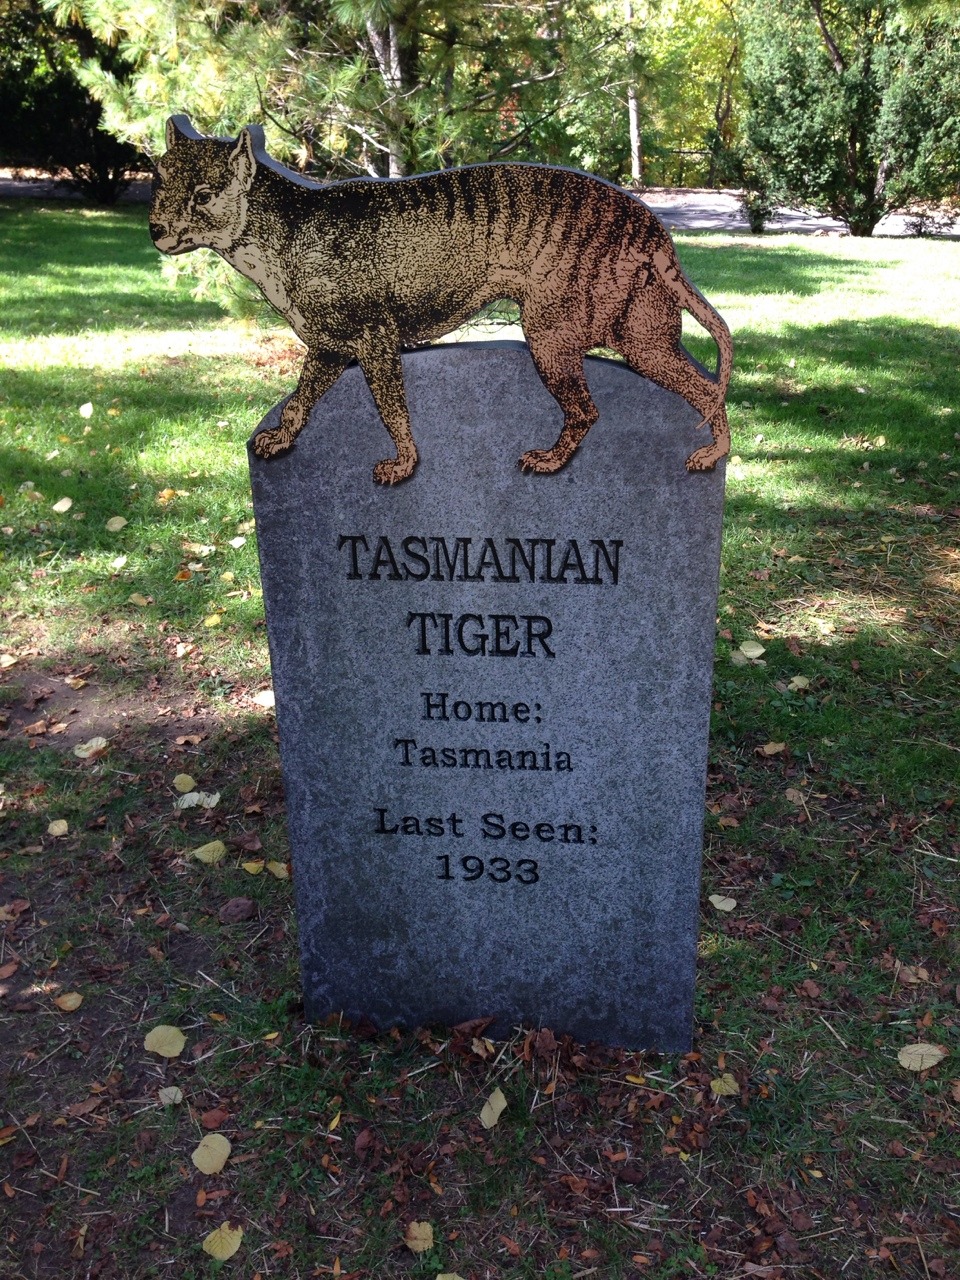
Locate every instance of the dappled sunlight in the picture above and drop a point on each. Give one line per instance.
(130, 347)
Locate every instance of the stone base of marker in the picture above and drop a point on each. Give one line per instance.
(493, 696)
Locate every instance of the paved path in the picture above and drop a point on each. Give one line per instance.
(682, 210)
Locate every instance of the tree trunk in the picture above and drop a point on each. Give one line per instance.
(633, 107)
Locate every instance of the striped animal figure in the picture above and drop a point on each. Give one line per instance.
(362, 268)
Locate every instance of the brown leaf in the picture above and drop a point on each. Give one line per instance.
(236, 910)
(83, 1108)
(215, 1118)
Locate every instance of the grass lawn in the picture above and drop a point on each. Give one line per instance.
(793, 1141)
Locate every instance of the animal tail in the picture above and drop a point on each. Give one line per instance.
(693, 301)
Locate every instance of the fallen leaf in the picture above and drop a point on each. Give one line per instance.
(6, 660)
(238, 542)
(197, 799)
(725, 1086)
(279, 869)
(170, 1095)
(772, 748)
(86, 410)
(91, 749)
(920, 1057)
(115, 524)
(265, 698)
(58, 827)
(82, 1108)
(752, 649)
(63, 505)
(167, 1041)
(223, 1242)
(118, 562)
(211, 853)
(798, 683)
(212, 1153)
(213, 620)
(493, 1108)
(793, 795)
(214, 1119)
(254, 867)
(69, 1001)
(448, 1275)
(235, 910)
(418, 1237)
(137, 598)
(75, 682)
(721, 903)
(183, 782)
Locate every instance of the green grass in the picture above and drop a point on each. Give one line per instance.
(840, 847)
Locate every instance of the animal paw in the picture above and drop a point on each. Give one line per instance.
(543, 461)
(269, 443)
(704, 459)
(392, 470)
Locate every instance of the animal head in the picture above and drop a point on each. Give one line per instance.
(201, 188)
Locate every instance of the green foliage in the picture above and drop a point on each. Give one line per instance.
(46, 118)
(850, 110)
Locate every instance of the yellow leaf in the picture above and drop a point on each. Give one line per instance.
(63, 505)
(448, 1275)
(752, 649)
(170, 1095)
(167, 1041)
(223, 1242)
(183, 782)
(69, 1001)
(6, 660)
(418, 1237)
(773, 748)
(211, 853)
(58, 827)
(921, 1057)
(493, 1108)
(725, 1086)
(212, 1153)
(183, 576)
(254, 866)
(335, 1122)
(90, 749)
(115, 524)
(213, 620)
(75, 682)
(721, 903)
(799, 682)
(278, 869)
(793, 795)
(138, 599)
(636, 1079)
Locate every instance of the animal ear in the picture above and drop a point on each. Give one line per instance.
(179, 129)
(244, 154)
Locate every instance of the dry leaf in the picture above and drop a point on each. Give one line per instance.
(254, 867)
(63, 505)
(91, 749)
(921, 1057)
(223, 1242)
(721, 903)
(265, 698)
(798, 683)
(725, 1086)
(183, 782)
(213, 620)
(137, 598)
(493, 1108)
(167, 1041)
(418, 1237)
(6, 660)
(793, 795)
(238, 542)
(115, 524)
(278, 869)
(195, 799)
(75, 682)
(752, 649)
(212, 1153)
(69, 1001)
(448, 1275)
(58, 827)
(86, 410)
(170, 1095)
(211, 853)
(773, 748)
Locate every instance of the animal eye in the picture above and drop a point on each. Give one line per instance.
(203, 196)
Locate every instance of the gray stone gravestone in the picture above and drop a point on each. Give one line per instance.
(493, 694)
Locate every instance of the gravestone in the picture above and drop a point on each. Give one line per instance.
(493, 695)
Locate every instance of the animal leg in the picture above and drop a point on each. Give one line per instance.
(669, 368)
(380, 361)
(559, 362)
(320, 371)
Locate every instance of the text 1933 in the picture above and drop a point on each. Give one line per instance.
(499, 870)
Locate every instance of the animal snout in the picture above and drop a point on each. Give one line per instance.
(157, 230)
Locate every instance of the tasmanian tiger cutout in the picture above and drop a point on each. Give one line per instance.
(362, 268)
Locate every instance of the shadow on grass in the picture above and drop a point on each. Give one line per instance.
(87, 259)
(756, 269)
